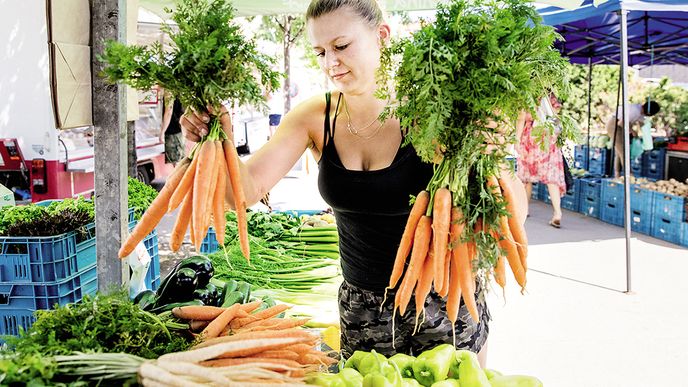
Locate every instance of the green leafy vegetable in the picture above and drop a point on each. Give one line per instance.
(141, 196)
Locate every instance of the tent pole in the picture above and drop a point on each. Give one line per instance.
(587, 154)
(627, 138)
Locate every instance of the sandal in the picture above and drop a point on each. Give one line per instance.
(556, 223)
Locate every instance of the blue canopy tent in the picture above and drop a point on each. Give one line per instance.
(624, 32)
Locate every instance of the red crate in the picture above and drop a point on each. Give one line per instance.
(680, 144)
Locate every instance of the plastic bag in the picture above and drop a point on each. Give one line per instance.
(636, 148)
(646, 133)
(139, 261)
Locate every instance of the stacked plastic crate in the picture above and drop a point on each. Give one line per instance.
(571, 200)
(590, 196)
(669, 215)
(580, 160)
(39, 272)
(598, 161)
(653, 164)
(612, 202)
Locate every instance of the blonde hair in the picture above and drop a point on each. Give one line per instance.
(368, 10)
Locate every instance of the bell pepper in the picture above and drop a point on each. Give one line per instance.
(447, 383)
(515, 381)
(470, 373)
(355, 359)
(374, 361)
(350, 377)
(409, 382)
(325, 380)
(433, 365)
(405, 364)
(490, 373)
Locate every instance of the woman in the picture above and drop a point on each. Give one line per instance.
(365, 176)
(536, 164)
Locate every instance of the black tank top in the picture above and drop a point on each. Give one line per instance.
(371, 208)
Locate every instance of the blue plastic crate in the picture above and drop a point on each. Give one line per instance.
(642, 199)
(641, 221)
(18, 302)
(580, 160)
(637, 166)
(612, 213)
(571, 200)
(666, 229)
(669, 206)
(684, 234)
(535, 192)
(46, 259)
(209, 244)
(544, 193)
(599, 161)
(653, 164)
(590, 206)
(591, 187)
(612, 192)
(151, 244)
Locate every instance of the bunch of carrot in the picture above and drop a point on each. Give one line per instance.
(199, 185)
(439, 249)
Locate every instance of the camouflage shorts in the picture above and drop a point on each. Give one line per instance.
(364, 326)
(174, 148)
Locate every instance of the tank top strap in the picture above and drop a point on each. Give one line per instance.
(329, 131)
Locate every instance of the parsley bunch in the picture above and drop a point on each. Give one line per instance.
(210, 62)
(479, 61)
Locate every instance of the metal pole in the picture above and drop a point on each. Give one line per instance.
(627, 138)
(108, 21)
(587, 154)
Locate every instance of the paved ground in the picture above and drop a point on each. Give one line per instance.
(575, 326)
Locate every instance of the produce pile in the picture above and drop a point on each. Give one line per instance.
(460, 84)
(442, 366)
(287, 253)
(671, 186)
(210, 62)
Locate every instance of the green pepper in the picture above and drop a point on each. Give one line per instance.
(168, 307)
(433, 365)
(470, 373)
(355, 360)
(232, 298)
(350, 377)
(405, 364)
(447, 383)
(245, 289)
(409, 382)
(376, 379)
(515, 381)
(201, 265)
(372, 362)
(490, 373)
(325, 380)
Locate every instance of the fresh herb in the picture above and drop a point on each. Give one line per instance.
(57, 218)
(141, 195)
(210, 62)
(479, 61)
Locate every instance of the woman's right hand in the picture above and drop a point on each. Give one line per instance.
(195, 124)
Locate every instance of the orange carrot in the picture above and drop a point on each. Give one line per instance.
(220, 322)
(197, 312)
(273, 325)
(279, 354)
(154, 213)
(517, 229)
(464, 266)
(418, 210)
(185, 185)
(219, 219)
(272, 311)
(251, 306)
(196, 325)
(512, 256)
(421, 244)
(424, 283)
(500, 272)
(232, 160)
(441, 216)
(182, 222)
(454, 297)
(229, 361)
(445, 284)
(204, 168)
(212, 187)
(303, 335)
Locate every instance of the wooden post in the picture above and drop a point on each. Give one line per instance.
(108, 22)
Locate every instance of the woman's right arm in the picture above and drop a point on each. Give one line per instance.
(274, 159)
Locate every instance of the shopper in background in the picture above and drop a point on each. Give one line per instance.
(542, 163)
(171, 131)
(636, 114)
(367, 178)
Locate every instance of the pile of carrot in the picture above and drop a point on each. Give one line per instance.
(438, 250)
(199, 185)
(293, 356)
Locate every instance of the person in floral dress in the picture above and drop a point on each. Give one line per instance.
(544, 165)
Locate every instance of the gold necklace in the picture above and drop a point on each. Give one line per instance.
(355, 131)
